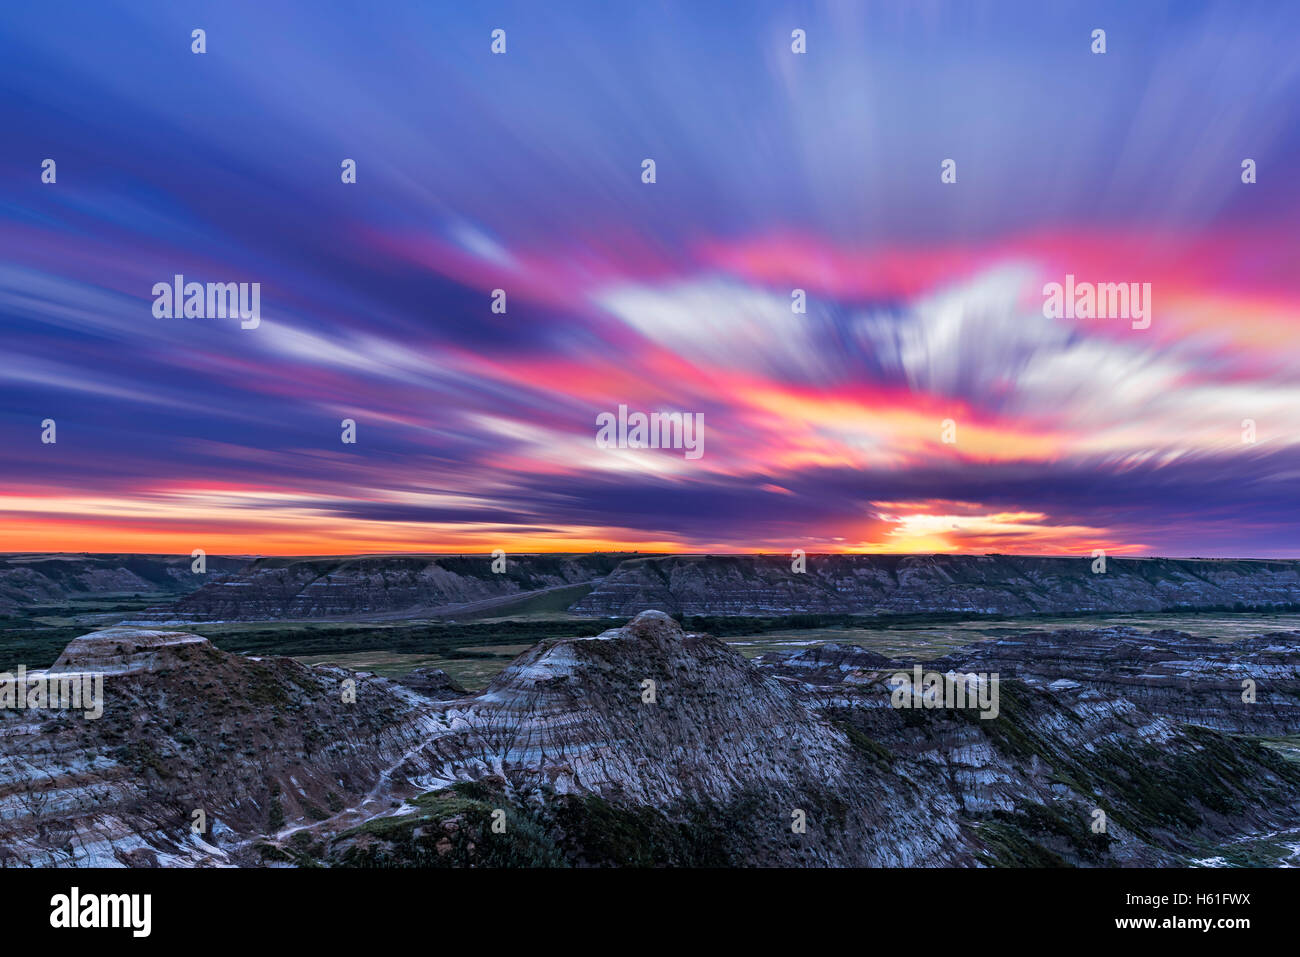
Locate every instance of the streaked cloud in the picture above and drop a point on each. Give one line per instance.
(823, 429)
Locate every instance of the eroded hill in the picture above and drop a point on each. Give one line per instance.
(571, 757)
(57, 579)
(1002, 585)
(619, 586)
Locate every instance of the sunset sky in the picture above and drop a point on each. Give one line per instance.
(775, 171)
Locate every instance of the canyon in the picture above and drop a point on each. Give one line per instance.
(796, 758)
(622, 585)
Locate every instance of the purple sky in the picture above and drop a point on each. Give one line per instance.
(774, 171)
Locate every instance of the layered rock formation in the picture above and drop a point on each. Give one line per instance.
(721, 742)
(302, 588)
(27, 580)
(1251, 686)
(901, 584)
(572, 757)
(186, 728)
(614, 585)
(432, 683)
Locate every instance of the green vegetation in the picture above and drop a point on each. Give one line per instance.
(472, 653)
(1286, 745)
(452, 639)
(141, 758)
(599, 833)
(554, 603)
(33, 643)
(1163, 794)
(452, 828)
(872, 748)
(275, 820)
(475, 648)
(1022, 838)
(1273, 850)
(1185, 619)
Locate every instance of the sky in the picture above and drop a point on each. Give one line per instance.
(924, 401)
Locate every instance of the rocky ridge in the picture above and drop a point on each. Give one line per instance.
(382, 586)
(53, 579)
(911, 584)
(1249, 686)
(620, 586)
(186, 727)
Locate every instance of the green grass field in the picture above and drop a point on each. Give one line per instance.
(474, 649)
